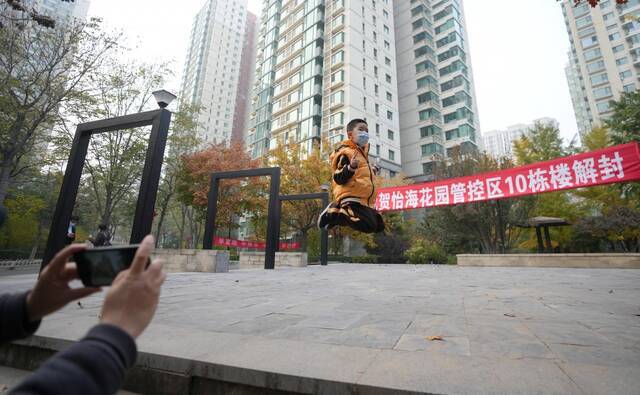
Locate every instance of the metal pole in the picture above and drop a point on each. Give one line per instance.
(539, 237)
(212, 211)
(547, 238)
(67, 196)
(324, 237)
(143, 218)
(273, 223)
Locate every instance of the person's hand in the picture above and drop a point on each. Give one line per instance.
(52, 291)
(354, 162)
(133, 298)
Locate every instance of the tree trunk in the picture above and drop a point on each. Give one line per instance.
(5, 178)
(163, 212)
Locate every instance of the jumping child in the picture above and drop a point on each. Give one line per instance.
(353, 185)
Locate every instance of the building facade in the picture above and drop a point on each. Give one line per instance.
(437, 95)
(499, 143)
(605, 57)
(321, 64)
(245, 82)
(213, 66)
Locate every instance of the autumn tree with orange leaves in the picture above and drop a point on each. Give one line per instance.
(235, 196)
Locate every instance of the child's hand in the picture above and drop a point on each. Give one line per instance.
(354, 162)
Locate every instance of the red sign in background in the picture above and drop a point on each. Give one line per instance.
(610, 165)
(224, 242)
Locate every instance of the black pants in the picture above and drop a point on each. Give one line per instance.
(356, 216)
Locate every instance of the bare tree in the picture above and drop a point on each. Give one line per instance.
(41, 69)
(114, 161)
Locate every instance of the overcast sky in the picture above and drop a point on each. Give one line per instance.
(518, 51)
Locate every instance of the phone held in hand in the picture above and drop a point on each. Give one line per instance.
(99, 266)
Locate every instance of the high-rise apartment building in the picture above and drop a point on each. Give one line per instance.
(321, 64)
(245, 83)
(605, 57)
(213, 66)
(499, 143)
(437, 96)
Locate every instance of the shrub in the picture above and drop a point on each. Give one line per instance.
(424, 252)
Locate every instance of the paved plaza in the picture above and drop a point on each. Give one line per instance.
(366, 328)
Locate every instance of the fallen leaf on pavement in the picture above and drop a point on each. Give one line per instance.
(432, 338)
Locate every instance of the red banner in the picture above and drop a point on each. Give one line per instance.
(610, 165)
(224, 242)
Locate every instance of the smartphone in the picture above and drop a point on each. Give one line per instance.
(99, 266)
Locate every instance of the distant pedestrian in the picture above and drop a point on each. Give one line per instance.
(103, 238)
(71, 230)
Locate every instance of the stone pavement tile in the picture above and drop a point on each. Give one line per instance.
(437, 373)
(305, 333)
(598, 380)
(567, 334)
(450, 345)
(263, 325)
(624, 336)
(375, 331)
(335, 320)
(611, 355)
(289, 365)
(444, 325)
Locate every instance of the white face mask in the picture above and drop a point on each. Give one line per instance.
(362, 139)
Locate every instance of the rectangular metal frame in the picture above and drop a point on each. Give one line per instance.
(324, 235)
(143, 218)
(273, 213)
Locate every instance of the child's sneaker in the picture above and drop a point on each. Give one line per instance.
(323, 218)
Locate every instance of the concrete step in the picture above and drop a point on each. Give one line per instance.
(10, 377)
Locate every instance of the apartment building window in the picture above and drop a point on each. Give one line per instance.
(337, 21)
(388, 78)
(629, 88)
(377, 109)
(603, 107)
(336, 119)
(387, 45)
(386, 29)
(337, 57)
(387, 61)
(337, 38)
(377, 130)
(622, 61)
(589, 41)
(337, 98)
(364, 83)
(375, 37)
(375, 71)
(390, 134)
(581, 22)
(376, 89)
(338, 76)
(375, 53)
(595, 66)
(389, 96)
(614, 36)
(608, 16)
(385, 14)
(625, 74)
(378, 149)
(392, 155)
(602, 92)
(592, 54)
(599, 79)
(618, 48)
(390, 115)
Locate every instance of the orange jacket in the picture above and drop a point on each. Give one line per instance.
(350, 186)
